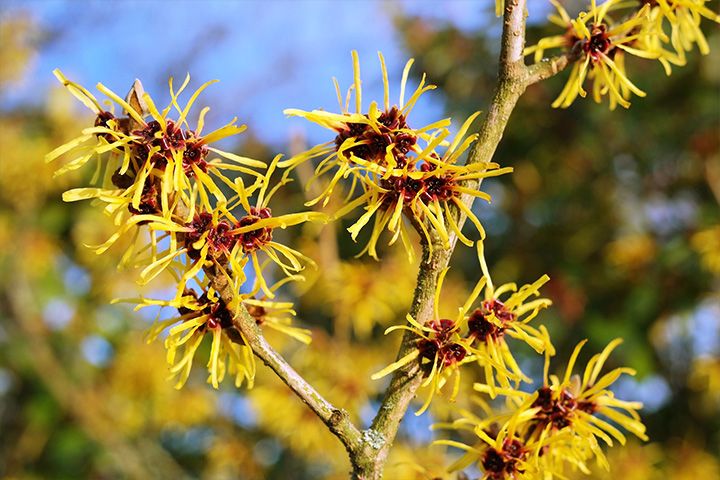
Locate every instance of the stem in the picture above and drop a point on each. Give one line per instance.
(337, 420)
(513, 78)
(548, 67)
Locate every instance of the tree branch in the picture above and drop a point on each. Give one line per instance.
(337, 420)
(513, 38)
(512, 80)
(547, 67)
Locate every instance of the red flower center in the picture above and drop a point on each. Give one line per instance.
(255, 239)
(599, 42)
(441, 348)
(558, 409)
(373, 144)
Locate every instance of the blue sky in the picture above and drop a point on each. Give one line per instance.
(267, 55)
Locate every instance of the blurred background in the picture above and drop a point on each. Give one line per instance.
(620, 208)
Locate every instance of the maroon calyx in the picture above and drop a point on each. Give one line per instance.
(405, 187)
(558, 409)
(481, 329)
(501, 312)
(102, 120)
(163, 144)
(258, 312)
(441, 348)
(372, 144)
(147, 142)
(501, 464)
(219, 316)
(437, 188)
(220, 238)
(173, 140)
(254, 239)
(598, 43)
(195, 154)
(124, 180)
(150, 202)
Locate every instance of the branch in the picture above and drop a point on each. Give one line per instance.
(337, 420)
(512, 80)
(246, 331)
(513, 39)
(548, 67)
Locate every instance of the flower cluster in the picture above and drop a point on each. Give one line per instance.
(477, 335)
(398, 170)
(168, 189)
(202, 216)
(600, 39)
(207, 314)
(198, 316)
(553, 429)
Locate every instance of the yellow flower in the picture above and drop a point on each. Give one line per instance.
(410, 461)
(395, 173)
(684, 17)
(502, 452)
(478, 335)
(208, 240)
(552, 430)
(444, 182)
(139, 398)
(496, 318)
(707, 244)
(207, 314)
(158, 174)
(424, 190)
(441, 347)
(273, 314)
(199, 316)
(161, 229)
(134, 155)
(658, 39)
(228, 241)
(567, 40)
(580, 399)
(375, 142)
(601, 45)
(253, 231)
(704, 379)
(565, 411)
(389, 283)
